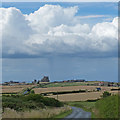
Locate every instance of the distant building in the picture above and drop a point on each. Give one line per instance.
(12, 83)
(96, 84)
(45, 79)
(101, 84)
(35, 81)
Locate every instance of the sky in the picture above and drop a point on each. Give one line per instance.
(60, 0)
(62, 40)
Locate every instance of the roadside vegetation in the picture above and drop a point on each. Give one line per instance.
(47, 112)
(106, 107)
(28, 102)
(33, 106)
(63, 114)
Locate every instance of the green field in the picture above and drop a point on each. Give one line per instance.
(64, 84)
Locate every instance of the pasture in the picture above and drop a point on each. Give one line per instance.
(65, 84)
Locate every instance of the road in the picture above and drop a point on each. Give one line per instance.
(78, 113)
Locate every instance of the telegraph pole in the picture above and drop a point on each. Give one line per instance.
(57, 95)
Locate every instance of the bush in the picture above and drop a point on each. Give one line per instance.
(106, 94)
(31, 101)
(52, 102)
(32, 92)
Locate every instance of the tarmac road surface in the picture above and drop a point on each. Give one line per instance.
(78, 113)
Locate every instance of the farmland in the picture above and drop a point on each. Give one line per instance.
(77, 94)
(15, 88)
(69, 88)
(64, 84)
(90, 92)
(80, 91)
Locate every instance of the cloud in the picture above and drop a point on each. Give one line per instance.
(54, 30)
(94, 16)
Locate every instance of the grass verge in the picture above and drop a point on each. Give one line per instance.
(108, 107)
(62, 115)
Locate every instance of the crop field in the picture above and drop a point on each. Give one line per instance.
(71, 88)
(14, 89)
(80, 96)
(90, 94)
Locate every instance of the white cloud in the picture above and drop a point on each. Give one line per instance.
(55, 30)
(93, 16)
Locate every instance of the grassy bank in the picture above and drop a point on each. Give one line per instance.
(107, 107)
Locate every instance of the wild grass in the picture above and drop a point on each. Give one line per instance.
(63, 114)
(41, 113)
(108, 107)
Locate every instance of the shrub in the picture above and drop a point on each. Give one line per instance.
(106, 94)
(31, 101)
(32, 91)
